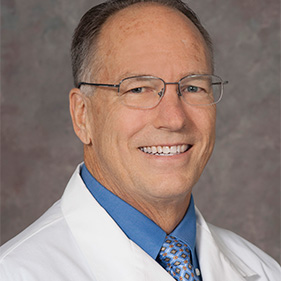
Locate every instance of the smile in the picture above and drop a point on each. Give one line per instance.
(165, 150)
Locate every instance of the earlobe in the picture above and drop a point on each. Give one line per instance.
(78, 111)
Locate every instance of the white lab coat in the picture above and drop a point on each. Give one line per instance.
(77, 240)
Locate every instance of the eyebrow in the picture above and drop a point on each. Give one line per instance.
(131, 74)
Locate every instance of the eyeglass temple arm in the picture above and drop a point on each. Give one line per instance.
(217, 83)
(97, 84)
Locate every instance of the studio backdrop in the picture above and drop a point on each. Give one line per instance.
(240, 188)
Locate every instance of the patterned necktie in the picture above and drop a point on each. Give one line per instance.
(174, 256)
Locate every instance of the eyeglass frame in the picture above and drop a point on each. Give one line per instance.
(163, 90)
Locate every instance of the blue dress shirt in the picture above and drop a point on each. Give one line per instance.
(138, 227)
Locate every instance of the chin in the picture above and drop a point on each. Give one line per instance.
(172, 187)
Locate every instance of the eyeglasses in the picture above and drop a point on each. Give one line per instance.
(144, 92)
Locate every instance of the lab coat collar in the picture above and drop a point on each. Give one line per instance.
(215, 259)
(110, 254)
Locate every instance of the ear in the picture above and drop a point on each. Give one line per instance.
(78, 103)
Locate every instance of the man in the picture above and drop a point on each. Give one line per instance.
(144, 107)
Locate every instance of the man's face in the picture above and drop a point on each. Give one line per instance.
(158, 41)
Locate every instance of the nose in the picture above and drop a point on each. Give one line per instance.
(171, 112)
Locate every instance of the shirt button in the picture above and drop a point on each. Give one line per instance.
(197, 271)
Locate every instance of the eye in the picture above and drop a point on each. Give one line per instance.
(142, 90)
(193, 89)
(137, 90)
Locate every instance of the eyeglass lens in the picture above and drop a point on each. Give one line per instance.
(147, 91)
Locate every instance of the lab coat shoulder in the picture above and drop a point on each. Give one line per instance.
(40, 252)
(230, 252)
(74, 240)
(252, 256)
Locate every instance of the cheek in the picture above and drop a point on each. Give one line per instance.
(117, 128)
(211, 124)
(209, 133)
(128, 127)
(116, 147)
(205, 123)
(100, 124)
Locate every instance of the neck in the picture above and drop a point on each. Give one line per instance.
(167, 212)
(166, 215)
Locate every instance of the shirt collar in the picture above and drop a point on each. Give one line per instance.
(139, 228)
(186, 230)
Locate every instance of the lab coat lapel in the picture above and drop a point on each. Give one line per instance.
(110, 254)
(216, 260)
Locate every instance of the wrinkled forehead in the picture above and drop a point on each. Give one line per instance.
(145, 18)
(139, 17)
(149, 26)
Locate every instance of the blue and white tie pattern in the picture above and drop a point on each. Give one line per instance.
(175, 257)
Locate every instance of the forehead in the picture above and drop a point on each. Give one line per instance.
(150, 30)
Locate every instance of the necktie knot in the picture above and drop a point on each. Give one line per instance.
(175, 257)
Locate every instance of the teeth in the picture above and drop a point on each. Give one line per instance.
(159, 149)
(173, 149)
(165, 150)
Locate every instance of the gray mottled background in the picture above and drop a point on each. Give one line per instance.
(240, 188)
